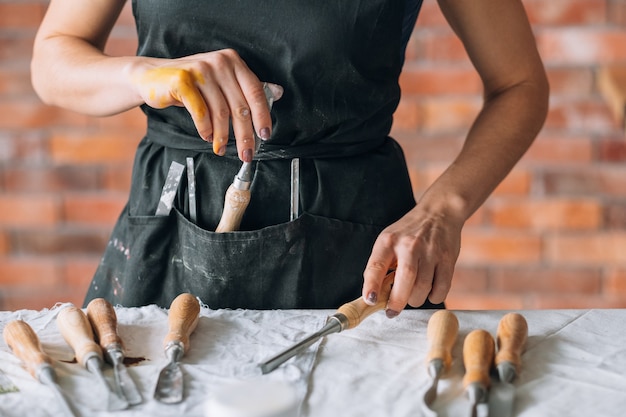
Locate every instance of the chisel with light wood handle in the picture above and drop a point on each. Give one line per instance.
(103, 319)
(77, 332)
(511, 341)
(442, 331)
(25, 344)
(478, 356)
(348, 316)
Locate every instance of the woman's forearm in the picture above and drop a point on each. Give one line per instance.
(501, 134)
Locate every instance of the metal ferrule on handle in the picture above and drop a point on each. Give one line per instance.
(174, 351)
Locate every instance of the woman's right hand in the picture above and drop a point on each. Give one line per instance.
(215, 87)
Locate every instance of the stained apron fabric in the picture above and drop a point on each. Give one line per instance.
(339, 64)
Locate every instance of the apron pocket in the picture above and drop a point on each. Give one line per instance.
(310, 262)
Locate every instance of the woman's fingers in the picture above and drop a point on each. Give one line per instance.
(217, 89)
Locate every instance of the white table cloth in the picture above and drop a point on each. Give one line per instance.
(574, 363)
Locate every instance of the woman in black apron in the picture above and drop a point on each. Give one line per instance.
(338, 64)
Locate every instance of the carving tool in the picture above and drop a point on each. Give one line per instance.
(76, 330)
(478, 356)
(103, 319)
(294, 208)
(182, 318)
(511, 341)
(191, 189)
(238, 194)
(443, 328)
(348, 316)
(25, 344)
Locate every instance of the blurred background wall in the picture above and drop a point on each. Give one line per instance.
(553, 235)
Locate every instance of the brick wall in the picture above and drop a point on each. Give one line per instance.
(553, 235)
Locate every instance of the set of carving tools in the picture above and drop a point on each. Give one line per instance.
(93, 336)
(479, 359)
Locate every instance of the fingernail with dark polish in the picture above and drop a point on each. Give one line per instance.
(222, 151)
(247, 155)
(391, 313)
(372, 298)
(265, 133)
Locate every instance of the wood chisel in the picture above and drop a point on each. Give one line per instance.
(25, 344)
(478, 356)
(76, 330)
(511, 341)
(103, 319)
(238, 193)
(442, 331)
(348, 316)
(182, 320)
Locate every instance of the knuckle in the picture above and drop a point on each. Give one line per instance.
(241, 113)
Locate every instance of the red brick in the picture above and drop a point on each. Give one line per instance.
(29, 272)
(575, 81)
(29, 112)
(617, 12)
(407, 116)
(65, 241)
(536, 279)
(577, 302)
(88, 147)
(469, 280)
(615, 215)
(78, 272)
(430, 16)
(20, 15)
(581, 116)
(29, 210)
(447, 115)
(612, 150)
(116, 177)
(586, 45)
(38, 299)
(419, 147)
(93, 209)
(43, 178)
(25, 147)
(463, 301)
(566, 12)
(554, 214)
(615, 281)
(585, 180)
(437, 46)
(16, 49)
(498, 248)
(15, 80)
(586, 249)
(4, 243)
(567, 149)
(427, 79)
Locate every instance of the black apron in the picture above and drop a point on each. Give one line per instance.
(339, 64)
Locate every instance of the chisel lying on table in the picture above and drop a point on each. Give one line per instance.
(103, 319)
(510, 341)
(348, 316)
(76, 330)
(23, 341)
(182, 320)
(442, 331)
(478, 355)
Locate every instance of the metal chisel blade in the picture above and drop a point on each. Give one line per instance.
(126, 384)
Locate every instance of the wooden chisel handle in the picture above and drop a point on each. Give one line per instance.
(442, 331)
(103, 319)
(511, 339)
(25, 344)
(183, 318)
(76, 330)
(478, 354)
(235, 204)
(357, 310)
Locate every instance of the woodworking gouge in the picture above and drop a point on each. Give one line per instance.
(238, 193)
(183, 318)
(478, 356)
(76, 330)
(348, 316)
(511, 340)
(442, 331)
(103, 319)
(25, 344)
